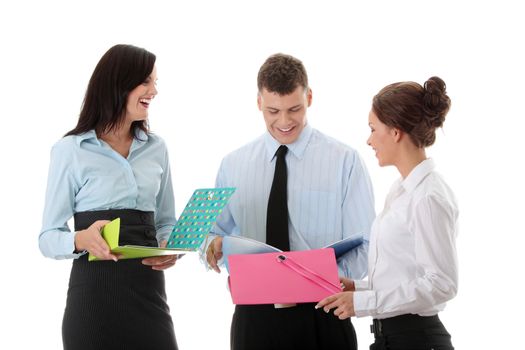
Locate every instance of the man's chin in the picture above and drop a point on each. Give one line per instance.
(285, 139)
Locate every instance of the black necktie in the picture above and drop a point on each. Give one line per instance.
(277, 215)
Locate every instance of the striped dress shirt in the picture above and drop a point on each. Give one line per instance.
(330, 196)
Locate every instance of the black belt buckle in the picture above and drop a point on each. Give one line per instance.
(376, 328)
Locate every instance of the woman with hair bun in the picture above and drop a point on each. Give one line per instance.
(412, 259)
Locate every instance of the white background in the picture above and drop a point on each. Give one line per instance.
(208, 54)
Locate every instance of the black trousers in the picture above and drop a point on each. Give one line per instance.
(117, 305)
(410, 332)
(301, 327)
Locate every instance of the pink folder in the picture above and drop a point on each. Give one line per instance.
(283, 277)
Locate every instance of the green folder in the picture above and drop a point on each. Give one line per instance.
(192, 228)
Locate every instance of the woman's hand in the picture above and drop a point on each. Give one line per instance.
(91, 240)
(342, 302)
(161, 263)
(349, 285)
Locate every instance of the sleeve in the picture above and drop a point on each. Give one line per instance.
(56, 239)
(165, 203)
(433, 223)
(357, 217)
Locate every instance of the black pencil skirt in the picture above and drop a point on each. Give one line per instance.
(117, 305)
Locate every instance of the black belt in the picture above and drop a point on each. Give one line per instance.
(136, 227)
(402, 323)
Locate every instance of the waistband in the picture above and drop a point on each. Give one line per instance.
(402, 323)
(274, 306)
(127, 217)
(136, 227)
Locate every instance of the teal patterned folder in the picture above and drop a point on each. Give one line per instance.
(198, 217)
(191, 230)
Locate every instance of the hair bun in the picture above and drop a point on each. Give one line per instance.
(436, 101)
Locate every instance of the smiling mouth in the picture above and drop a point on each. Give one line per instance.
(285, 130)
(145, 102)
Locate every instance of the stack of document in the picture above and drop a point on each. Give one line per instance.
(242, 245)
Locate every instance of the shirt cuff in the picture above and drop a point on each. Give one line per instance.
(365, 303)
(163, 234)
(70, 242)
(74, 255)
(360, 285)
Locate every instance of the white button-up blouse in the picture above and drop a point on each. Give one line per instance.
(412, 262)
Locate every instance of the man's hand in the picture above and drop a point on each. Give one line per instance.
(214, 253)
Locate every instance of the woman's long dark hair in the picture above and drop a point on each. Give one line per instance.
(119, 71)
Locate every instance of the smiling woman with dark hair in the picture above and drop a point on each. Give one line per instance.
(111, 166)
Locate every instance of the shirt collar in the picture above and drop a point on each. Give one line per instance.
(91, 136)
(139, 141)
(418, 174)
(297, 148)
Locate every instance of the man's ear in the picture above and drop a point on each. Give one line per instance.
(309, 97)
(259, 101)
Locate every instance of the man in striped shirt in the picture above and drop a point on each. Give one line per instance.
(329, 197)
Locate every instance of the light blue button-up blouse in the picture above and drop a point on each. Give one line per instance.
(86, 174)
